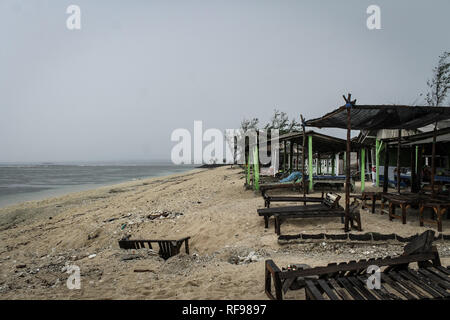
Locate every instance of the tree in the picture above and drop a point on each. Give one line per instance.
(439, 84)
(280, 121)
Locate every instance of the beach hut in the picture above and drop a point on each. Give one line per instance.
(374, 117)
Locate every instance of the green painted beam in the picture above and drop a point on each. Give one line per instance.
(256, 168)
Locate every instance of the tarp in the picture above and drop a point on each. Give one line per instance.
(366, 117)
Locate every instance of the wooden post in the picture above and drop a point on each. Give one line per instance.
(386, 168)
(398, 159)
(284, 157)
(333, 165)
(303, 156)
(291, 155)
(363, 169)
(319, 164)
(347, 166)
(298, 155)
(377, 162)
(413, 171)
(310, 163)
(433, 160)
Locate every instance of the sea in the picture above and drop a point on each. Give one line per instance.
(22, 182)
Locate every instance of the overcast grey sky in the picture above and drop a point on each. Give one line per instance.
(137, 70)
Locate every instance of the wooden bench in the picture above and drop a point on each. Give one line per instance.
(329, 207)
(167, 248)
(348, 280)
(268, 199)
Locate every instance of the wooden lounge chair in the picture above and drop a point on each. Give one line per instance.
(167, 248)
(329, 207)
(348, 281)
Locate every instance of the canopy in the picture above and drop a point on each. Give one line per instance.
(322, 143)
(366, 117)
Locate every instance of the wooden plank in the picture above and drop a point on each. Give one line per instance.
(420, 284)
(313, 290)
(327, 290)
(330, 269)
(431, 283)
(444, 270)
(340, 291)
(349, 287)
(394, 285)
(407, 284)
(444, 284)
(367, 294)
(376, 292)
(439, 273)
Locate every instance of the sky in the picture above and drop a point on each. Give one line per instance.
(117, 88)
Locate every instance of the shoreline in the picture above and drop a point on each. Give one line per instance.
(55, 192)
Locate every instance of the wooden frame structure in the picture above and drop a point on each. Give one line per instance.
(167, 248)
(379, 117)
(347, 281)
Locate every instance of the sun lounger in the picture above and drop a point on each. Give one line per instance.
(348, 281)
(167, 248)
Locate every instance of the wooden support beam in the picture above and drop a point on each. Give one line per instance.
(363, 169)
(398, 159)
(303, 156)
(310, 163)
(386, 168)
(433, 160)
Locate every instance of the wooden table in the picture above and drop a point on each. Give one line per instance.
(439, 207)
(368, 195)
(403, 201)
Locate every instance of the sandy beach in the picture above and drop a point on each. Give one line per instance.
(38, 239)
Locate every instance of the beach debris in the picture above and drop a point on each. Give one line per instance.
(94, 234)
(143, 270)
(92, 256)
(21, 266)
(165, 214)
(237, 259)
(123, 226)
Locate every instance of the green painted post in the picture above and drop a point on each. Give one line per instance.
(256, 168)
(248, 173)
(310, 163)
(363, 169)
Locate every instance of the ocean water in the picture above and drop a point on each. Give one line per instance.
(26, 182)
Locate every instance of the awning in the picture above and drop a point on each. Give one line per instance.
(366, 117)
